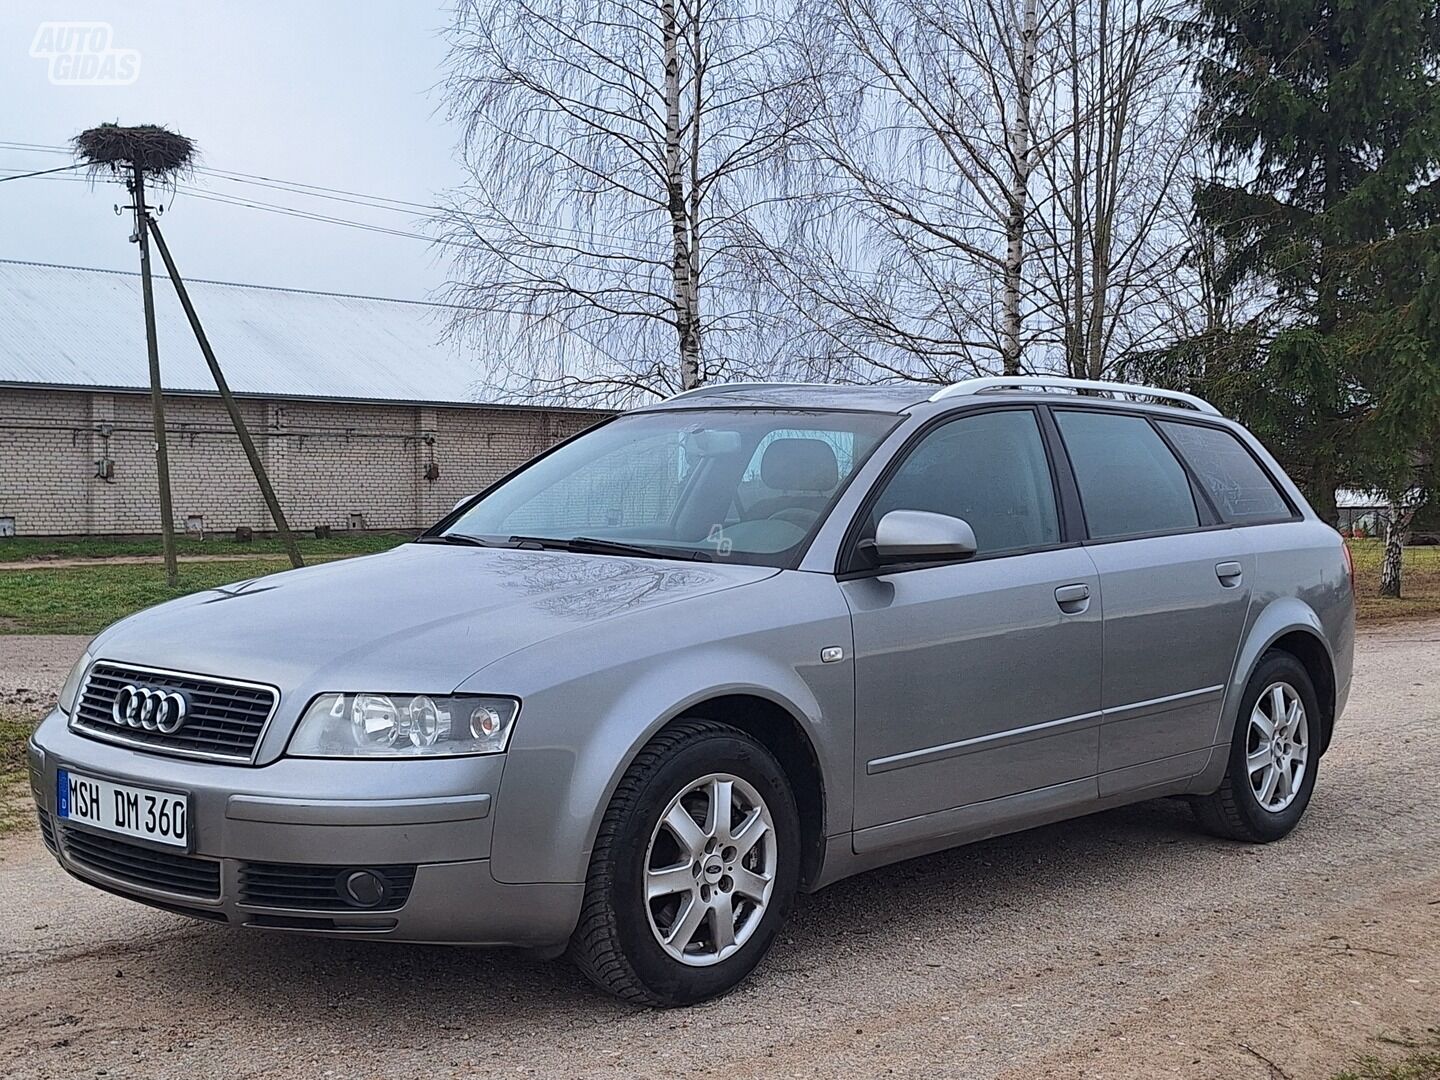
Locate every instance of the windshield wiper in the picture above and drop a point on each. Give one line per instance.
(591, 545)
(459, 539)
(612, 547)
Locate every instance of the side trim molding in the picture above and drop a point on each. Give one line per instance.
(1162, 704)
(993, 741)
(1079, 722)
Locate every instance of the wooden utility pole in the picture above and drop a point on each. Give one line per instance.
(157, 397)
(256, 465)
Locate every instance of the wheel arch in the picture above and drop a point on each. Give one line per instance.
(1291, 626)
(1310, 650)
(538, 837)
(778, 730)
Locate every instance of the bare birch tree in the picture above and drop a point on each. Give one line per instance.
(1116, 230)
(907, 256)
(1397, 534)
(612, 149)
(997, 185)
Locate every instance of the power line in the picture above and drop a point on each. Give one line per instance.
(42, 172)
(233, 284)
(38, 148)
(518, 258)
(383, 202)
(340, 194)
(360, 198)
(310, 215)
(556, 233)
(290, 211)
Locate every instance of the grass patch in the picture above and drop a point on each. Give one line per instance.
(1419, 1067)
(13, 735)
(1421, 1063)
(26, 548)
(86, 599)
(15, 809)
(1419, 583)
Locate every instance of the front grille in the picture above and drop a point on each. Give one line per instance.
(223, 720)
(181, 874)
(47, 831)
(318, 888)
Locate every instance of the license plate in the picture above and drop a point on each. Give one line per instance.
(158, 816)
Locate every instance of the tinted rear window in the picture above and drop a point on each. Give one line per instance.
(1240, 489)
(1130, 483)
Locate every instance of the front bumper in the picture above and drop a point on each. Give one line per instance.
(433, 815)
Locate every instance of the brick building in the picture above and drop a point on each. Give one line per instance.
(363, 418)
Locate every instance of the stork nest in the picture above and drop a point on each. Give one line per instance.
(159, 152)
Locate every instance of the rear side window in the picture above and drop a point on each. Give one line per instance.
(1130, 483)
(1240, 489)
(990, 470)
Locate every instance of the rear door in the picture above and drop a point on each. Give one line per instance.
(1175, 582)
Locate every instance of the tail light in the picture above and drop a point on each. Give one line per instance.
(1349, 562)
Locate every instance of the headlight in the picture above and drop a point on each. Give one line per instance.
(72, 682)
(403, 725)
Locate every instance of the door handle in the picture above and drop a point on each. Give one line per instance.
(1229, 573)
(1073, 599)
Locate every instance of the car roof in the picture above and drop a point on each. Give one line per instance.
(885, 397)
(898, 398)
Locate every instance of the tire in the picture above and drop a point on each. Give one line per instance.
(617, 942)
(1237, 810)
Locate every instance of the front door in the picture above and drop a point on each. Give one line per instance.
(978, 680)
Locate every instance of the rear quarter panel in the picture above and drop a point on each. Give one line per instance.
(1301, 583)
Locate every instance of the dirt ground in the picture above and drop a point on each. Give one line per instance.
(1126, 945)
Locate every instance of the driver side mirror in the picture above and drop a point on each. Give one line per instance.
(905, 536)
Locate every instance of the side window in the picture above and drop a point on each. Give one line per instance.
(989, 469)
(1237, 485)
(1130, 483)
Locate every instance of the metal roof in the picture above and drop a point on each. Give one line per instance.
(66, 326)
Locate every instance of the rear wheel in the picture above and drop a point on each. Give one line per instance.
(694, 869)
(1273, 756)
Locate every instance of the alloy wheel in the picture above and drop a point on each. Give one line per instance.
(710, 870)
(1277, 746)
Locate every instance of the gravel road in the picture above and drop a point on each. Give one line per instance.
(1127, 945)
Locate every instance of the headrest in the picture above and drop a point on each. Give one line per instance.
(799, 465)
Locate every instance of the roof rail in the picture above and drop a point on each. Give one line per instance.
(715, 388)
(1057, 382)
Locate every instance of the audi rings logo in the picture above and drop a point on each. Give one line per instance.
(148, 709)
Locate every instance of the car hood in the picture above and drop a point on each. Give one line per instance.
(421, 617)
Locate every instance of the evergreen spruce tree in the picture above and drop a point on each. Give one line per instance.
(1325, 116)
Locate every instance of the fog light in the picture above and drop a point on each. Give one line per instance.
(364, 888)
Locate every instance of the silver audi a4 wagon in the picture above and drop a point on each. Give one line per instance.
(632, 698)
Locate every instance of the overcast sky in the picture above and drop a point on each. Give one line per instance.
(333, 94)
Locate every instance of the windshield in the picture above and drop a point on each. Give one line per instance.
(747, 486)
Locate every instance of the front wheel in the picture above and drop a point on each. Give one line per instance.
(694, 869)
(1273, 756)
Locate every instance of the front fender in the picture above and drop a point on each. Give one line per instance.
(592, 701)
